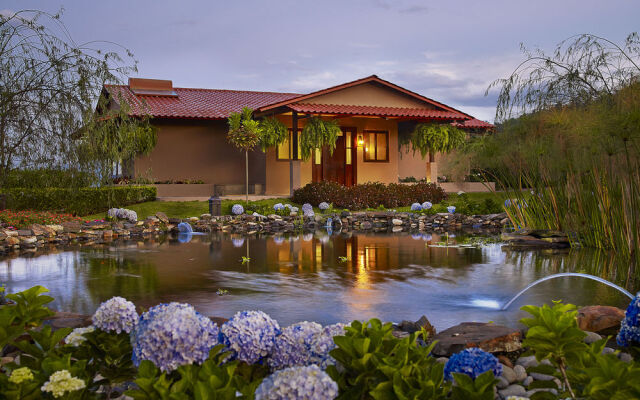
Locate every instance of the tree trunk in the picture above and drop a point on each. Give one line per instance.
(246, 170)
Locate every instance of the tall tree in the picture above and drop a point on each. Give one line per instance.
(48, 87)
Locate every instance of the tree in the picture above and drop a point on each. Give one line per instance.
(48, 86)
(246, 133)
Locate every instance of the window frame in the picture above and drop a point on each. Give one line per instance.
(364, 146)
(290, 130)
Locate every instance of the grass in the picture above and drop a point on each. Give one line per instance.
(184, 209)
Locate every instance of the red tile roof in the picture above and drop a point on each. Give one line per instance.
(376, 110)
(475, 124)
(195, 103)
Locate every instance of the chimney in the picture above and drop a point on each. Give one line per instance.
(152, 87)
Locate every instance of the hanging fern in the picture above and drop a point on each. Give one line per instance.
(436, 138)
(244, 131)
(273, 132)
(316, 134)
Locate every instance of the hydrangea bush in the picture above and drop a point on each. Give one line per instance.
(630, 326)
(297, 383)
(122, 213)
(416, 207)
(171, 335)
(427, 205)
(278, 207)
(61, 382)
(237, 209)
(322, 343)
(472, 362)
(451, 209)
(324, 206)
(21, 375)
(250, 335)
(293, 346)
(115, 315)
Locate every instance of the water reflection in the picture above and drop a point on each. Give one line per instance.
(321, 276)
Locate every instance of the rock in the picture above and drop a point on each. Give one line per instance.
(599, 318)
(509, 374)
(512, 390)
(396, 229)
(608, 350)
(541, 377)
(71, 227)
(592, 337)
(521, 373)
(162, 217)
(366, 225)
(25, 232)
(68, 320)
(502, 383)
(442, 360)
(505, 360)
(423, 322)
(526, 362)
(488, 337)
(527, 381)
(626, 357)
(396, 222)
(28, 239)
(534, 391)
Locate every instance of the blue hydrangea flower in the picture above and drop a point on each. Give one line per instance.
(278, 206)
(307, 207)
(250, 335)
(115, 315)
(322, 343)
(451, 209)
(507, 203)
(416, 207)
(472, 362)
(237, 209)
(323, 206)
(288, 206)
(294, 209)
(426, 205)
(171, 335)
(309, 213)
(297, 383)
(630, 325)
(293, 346)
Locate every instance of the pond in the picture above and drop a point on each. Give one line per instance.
(319, 277)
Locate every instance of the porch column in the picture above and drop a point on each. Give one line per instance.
(432, 169)
(294, 162)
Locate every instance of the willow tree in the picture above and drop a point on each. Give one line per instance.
(246, 133)
(429, 139)
(48, 87)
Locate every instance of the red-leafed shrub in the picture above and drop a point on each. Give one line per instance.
(22, 219)
(368, 195)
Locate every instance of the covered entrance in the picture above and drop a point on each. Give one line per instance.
(340, 166)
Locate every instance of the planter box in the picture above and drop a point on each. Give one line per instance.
(203, 189)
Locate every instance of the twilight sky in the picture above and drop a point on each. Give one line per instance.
(447, 50)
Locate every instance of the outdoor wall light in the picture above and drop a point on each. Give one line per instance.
(360, 141)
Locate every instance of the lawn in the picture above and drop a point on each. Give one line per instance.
(183, 209)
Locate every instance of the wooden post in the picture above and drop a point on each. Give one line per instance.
(293, 148)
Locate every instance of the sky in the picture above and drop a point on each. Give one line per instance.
(446, 50)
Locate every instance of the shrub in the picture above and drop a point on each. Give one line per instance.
(81, 201)
(368, 195)
(22, 219)
(48, 178)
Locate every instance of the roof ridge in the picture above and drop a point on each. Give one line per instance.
(214, 89)
(361, 105)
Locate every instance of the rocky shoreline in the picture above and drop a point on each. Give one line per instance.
(504, 342)
(100, 232)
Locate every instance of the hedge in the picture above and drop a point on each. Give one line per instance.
(82, 201)
(368, 195)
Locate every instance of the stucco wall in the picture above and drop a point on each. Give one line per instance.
(194, 149)
(369, 94)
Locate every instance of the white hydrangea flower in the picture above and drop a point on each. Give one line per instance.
(115, 315)
(76, 337)
(297, 383)
(293, 346)
(61, 382)
(324, 206)
(20, 375)
(250, 335)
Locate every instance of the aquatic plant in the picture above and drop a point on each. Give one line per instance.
(293, 346)
(297, 383)
(416, 207)
(472, 362)
(630, 326)
(237, 209)
(61, 382)
(173, 334)
(115, 315)
(250, 335)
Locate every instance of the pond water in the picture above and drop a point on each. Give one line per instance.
(305, 277)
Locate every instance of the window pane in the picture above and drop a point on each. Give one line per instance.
(283, 150)
(318, 157)
(348, 157)
(369, 149)
(381, 153)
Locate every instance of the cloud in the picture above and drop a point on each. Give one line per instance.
(414, 9)
(315, 81)
(6, 13)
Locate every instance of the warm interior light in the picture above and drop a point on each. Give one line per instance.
(360, 141)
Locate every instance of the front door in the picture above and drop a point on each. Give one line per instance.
(340, 166)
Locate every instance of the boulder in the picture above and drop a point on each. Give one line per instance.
(68, 320)
(162, 217)
(599, 318)
(489, 337)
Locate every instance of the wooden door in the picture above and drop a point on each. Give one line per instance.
(340, 166)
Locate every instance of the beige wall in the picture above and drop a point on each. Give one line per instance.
(369, 94)
(197, 149)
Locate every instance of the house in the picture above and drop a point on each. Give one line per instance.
(192, 127)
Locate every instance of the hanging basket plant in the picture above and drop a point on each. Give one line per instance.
(436, 138)
(316, 134)
(273, 133)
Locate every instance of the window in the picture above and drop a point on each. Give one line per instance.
(283, 150)
(376, 146)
